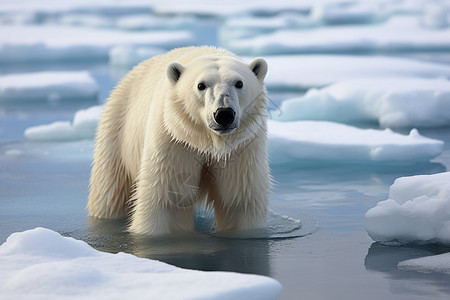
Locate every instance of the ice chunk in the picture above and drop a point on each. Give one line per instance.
(59, 43)
(400, 33)
(390, 101)
(435, 263)
(50, 86)
(435, 16)
(313, 140)
(301, 71)
(418, 210)
(131, 55)
(83, 127)
(149, 22)
(42, 262)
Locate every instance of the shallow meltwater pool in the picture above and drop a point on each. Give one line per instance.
(315, 243)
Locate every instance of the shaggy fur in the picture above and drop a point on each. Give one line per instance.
(157, 156)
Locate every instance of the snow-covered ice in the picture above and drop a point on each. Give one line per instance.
(50, 86)
(314, 140)
(399, 33)
(418, 210)
(435, 263)
(83, 126)
(128, 56)
(63, 43)
(305, 71)
(41, 264)
(389, 101)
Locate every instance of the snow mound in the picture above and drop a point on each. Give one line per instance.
(435, 263)
(42, 264)
(61, 43)
(399, 33)
(390, 101)
(301, 71)
(84, 126)
(418, 210)
(314, 140)
(50, 86)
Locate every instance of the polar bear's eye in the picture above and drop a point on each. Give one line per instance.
(201, 86)
(239, 84)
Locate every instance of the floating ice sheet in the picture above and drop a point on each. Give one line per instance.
(41, 264)
(62, 43)
(327, 141)
(389, 101)
(400, 33)
(418, 210)
(128, 56)
(49, 86)
(435, 263)
(83, 126)
(305, 71)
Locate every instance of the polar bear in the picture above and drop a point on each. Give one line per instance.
(181, 128)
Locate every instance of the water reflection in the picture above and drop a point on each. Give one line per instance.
(384, 259)
(193, 251)
(245, 251)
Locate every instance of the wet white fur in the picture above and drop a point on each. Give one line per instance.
(156, 157)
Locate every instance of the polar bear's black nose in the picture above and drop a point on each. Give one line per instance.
(224, 116)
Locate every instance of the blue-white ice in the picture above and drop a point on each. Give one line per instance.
(395, 34)
(48, 86)
(389, 101)
(418, 210)
(33, 43)
(42, 264)
(300, 72)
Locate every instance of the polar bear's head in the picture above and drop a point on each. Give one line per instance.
(216, 102)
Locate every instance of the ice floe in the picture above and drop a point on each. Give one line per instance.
(435, 263)
(83, 126)
(327, 141)
(63, 43)
(41, 264)
(128, 56)
(305, 71)
(389, 101)
(50, 86)
(418, 210)
(399, 33)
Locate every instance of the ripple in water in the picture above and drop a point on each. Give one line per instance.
(278, 227)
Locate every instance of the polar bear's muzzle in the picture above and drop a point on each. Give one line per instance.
(224, 120)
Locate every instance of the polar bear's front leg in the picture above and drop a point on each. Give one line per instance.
(242, 187)
(166, 192)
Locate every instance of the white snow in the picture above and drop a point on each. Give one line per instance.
(50, 86)
(305, 71)
(314, 140)
(83, 126)
(390, 101)
(62, 43)
(418, 210)
(435, 263)
(399, 33)
(41, 264)
(128, 56)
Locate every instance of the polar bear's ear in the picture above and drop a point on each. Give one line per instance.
(174, 71)
(259, 67)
